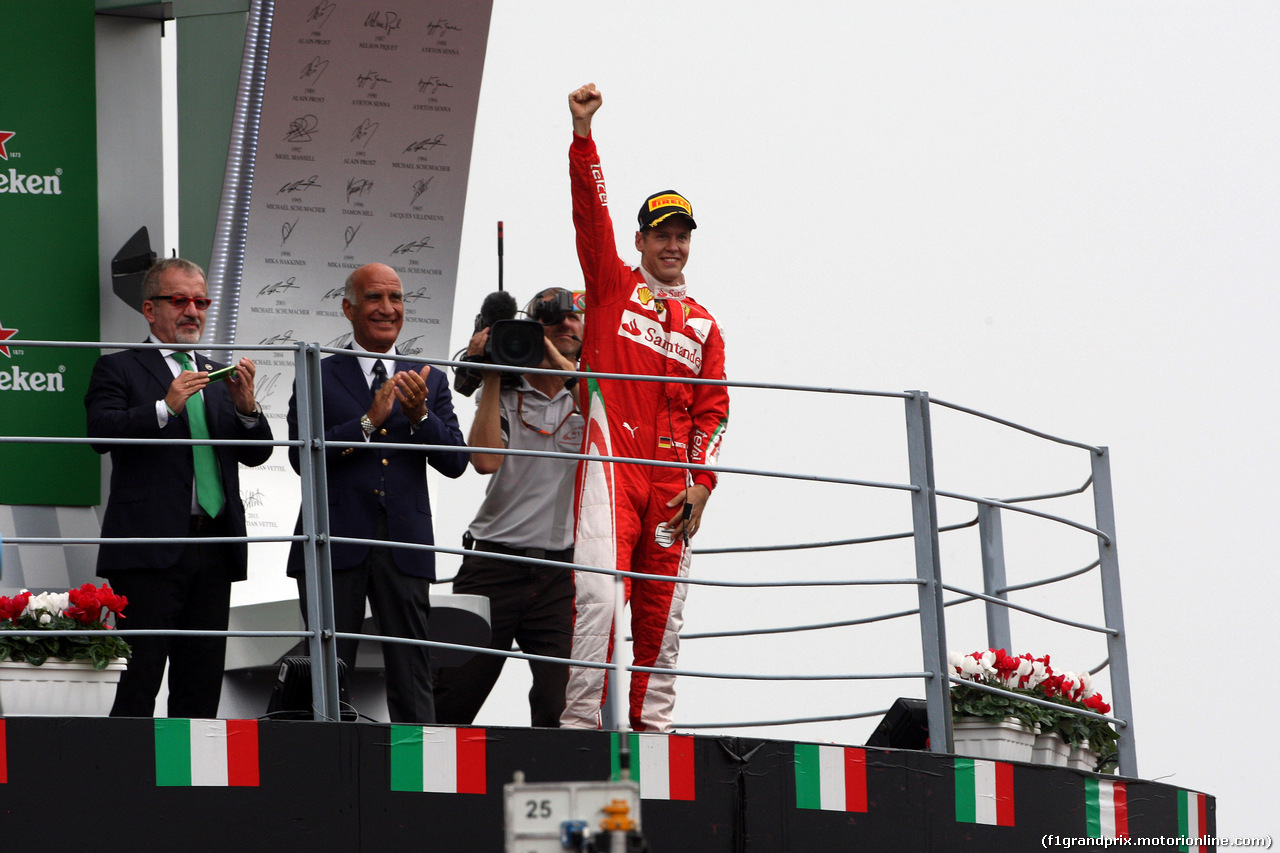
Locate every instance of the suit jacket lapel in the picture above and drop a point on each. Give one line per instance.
(153, 363)
(351, 377)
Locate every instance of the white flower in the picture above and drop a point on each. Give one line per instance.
(988, 661)
(971, 667)
(45, 618)
(1039, 672)
(49, 602)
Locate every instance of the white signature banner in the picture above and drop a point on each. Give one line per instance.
(363, 152)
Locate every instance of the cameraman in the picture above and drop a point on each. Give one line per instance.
(527, 512)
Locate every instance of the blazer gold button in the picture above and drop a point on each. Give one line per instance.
(384, 462)
(382, 432)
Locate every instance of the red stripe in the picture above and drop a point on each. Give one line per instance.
(4, 755)
(1120, 799)
(242, 753)
(471, 770)
(1202, 807)
(680, 764)
(855, 779)
(1004, 794)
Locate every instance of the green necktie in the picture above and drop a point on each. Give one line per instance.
(208, 482)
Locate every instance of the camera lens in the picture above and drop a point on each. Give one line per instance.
(516, 343)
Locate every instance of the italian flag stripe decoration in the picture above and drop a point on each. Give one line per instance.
(831, 778)
(1191, 820)
(4, 755)
(206, 753)
(661, 763)
(984, 792)
(1106, 809)
(438, 759)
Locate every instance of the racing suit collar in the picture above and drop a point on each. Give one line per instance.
(661, 290)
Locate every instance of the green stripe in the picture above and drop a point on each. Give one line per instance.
(634, 740)
(406, 758)
(966, 791)
(808, 777)
(1093, 808)
(594, 393)
(718, 431)
(1182, 819)
(173, 752)
(615, 759)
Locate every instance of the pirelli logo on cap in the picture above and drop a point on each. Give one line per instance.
(671, 200)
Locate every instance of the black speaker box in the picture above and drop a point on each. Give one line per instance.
(905, 726)
(291, 696)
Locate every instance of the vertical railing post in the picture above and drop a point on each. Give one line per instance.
(991, 534)
(924, 516)
(1113, 611)
(315, 525)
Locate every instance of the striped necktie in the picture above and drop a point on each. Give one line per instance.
(208, 481)
(379, 374)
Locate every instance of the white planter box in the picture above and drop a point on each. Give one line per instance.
(1050, 750)
(58, 689)
(1002, 740)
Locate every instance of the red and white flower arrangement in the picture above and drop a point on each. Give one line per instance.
(1034, 677)
(87, 607)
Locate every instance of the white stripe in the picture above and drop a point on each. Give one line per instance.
(209, 753)
(658, 706)
(1193, 820)
(1107, 809)
(593, 593)
(831, 778)
(655, 767)
(439, 760)
(984, 786)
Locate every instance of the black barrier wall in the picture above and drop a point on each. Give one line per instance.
(118, 785)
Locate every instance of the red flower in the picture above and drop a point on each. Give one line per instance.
(1095, 703)
(1004, 663)
(85, 607)
(11, 608)
(88, 603)
(111, 601)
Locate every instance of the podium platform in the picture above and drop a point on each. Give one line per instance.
(119, 784)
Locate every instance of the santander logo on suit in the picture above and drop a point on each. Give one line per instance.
(649, 332)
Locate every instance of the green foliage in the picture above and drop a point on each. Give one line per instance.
(102, 647)
(1074, 729)
(971, 702)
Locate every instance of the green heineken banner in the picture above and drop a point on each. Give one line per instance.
(48, 248)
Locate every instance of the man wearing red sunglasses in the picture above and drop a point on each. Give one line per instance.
(165, 490)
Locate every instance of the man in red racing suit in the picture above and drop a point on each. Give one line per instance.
(637, 517)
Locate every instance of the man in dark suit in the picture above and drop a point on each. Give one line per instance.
(381, 494)
(164, 490)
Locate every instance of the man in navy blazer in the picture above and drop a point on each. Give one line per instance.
(381, 494)
(163, 490)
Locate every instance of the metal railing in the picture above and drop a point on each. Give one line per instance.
(321, 635)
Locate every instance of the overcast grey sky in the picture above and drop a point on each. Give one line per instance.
(1065, 214)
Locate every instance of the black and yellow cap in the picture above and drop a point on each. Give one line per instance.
(661, 206)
